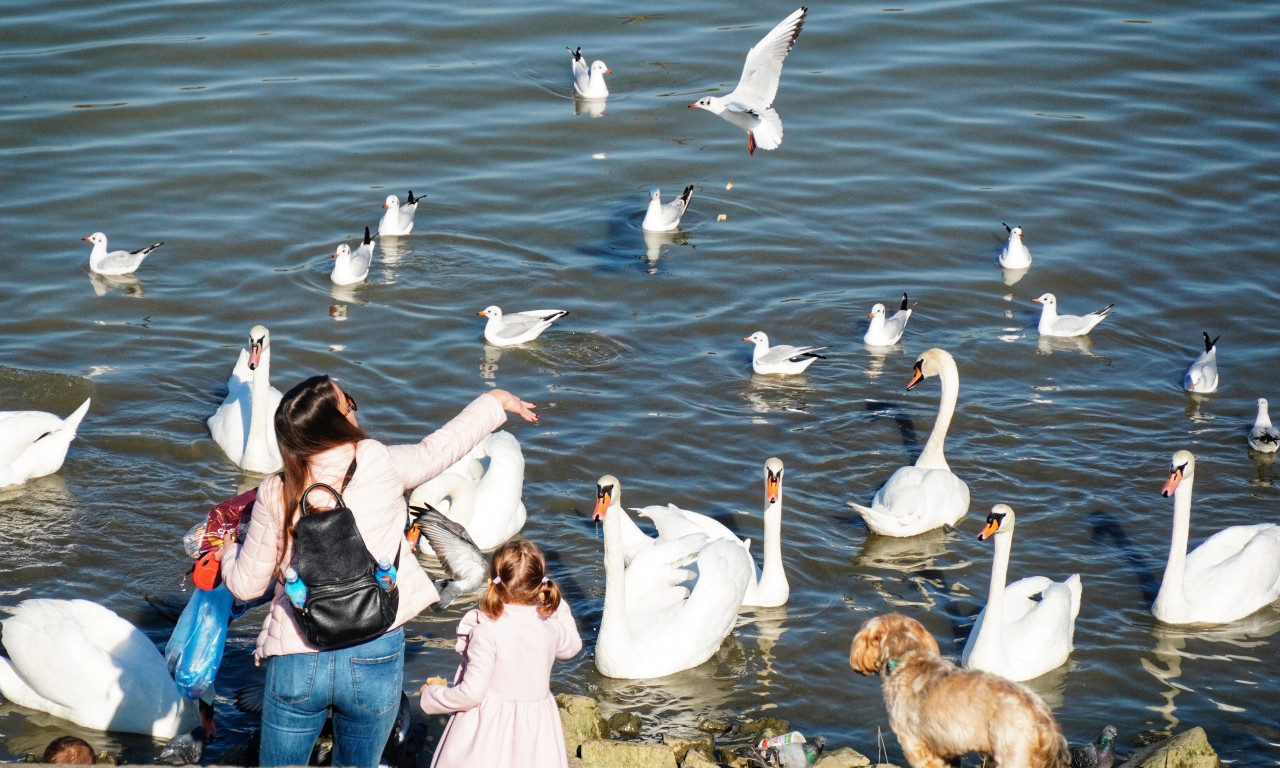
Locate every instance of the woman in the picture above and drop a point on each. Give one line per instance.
(321, 441)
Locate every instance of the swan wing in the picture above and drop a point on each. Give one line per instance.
(915, 500)
(1239, 565)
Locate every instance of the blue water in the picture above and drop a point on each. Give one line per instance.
(1135, 144)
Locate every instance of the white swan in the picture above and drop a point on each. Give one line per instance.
(1233, 573)
(769, 587)
(609, 500)
(244, 425)
(1202, 376)
(1026, 627)
(35, 443)
(81, 662)
(486, 501)
(926, 495)
(653, 625)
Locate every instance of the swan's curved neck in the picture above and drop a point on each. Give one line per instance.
(1175, 568)
(614, 628)
(932, 456)
(259, 420)
(995, 592)
(772, 570)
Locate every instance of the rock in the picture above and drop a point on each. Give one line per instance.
(714, 726)
(581, 720)
(844, 757)
(695, 759)
(706, 746)
(730, 757)
(625, 725)
(763, 728)
(602, 753)
(1189, 749)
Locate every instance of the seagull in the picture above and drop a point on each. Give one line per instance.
(780, 359)
(1015, 255)
(466, 565)
(351, 268)
(517, 327)
(398, 220)
(1263, 437)
(1202, 376)
(589, 83)
(1053, 324)
(666, 218)
(885, 332)
(115, 262)
(750, 106)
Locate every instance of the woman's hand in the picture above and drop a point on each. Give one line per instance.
(513, 404)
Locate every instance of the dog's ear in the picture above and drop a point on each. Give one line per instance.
(864, 654)
(886, 638)
(920, 636)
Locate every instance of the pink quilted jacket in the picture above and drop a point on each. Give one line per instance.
(376, 496)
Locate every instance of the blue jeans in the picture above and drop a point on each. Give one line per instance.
(362, 685)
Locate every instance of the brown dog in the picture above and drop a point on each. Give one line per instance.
(941, 712)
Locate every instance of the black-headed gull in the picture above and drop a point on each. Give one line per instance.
(115, 262)
(1014, 255)
(666, 218)
(398, 220)
(588, 82)
(517, 327)
(1263, 437)
(1202, 376)
(351, 268)
(1053, 324)
(781, 359)
(750, 105)
(886, 331)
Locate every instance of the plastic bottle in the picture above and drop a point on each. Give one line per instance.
(795, 737)
(294, 588)
(386, 574)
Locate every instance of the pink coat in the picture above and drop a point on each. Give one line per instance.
(506, 716)
(376, 496)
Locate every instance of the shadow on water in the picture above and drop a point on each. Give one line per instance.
(1103, 527)
(906, 427)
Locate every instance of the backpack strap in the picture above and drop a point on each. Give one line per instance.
(307, 509)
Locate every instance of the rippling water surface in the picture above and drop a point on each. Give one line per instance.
(1134, 142)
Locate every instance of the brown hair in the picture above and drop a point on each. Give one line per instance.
(518, 575)
(309, 420)
(69, 750)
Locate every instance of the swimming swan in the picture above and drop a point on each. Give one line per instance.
(244, 425)
(35, 443)
(486, 501)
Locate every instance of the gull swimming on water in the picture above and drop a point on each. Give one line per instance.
(782, 358)
(1263, 437)
(517, 327)
(588, 82)
(885, 332)
(750, 105)
(1202, 376)
(666, 218)
(1053, 324)
(351, 268)
(1014, 255)
(398, 220)
(115, 262)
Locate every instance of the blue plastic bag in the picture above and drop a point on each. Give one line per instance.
(194, 650)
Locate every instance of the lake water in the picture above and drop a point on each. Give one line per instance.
(1136, 144)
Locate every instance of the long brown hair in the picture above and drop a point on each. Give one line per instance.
(518, 575)
(309, 420)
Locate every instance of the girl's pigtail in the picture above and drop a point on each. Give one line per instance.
(491, 601)
(548, 598)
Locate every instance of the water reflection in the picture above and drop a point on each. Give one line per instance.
(1047, 345)
(393, 250)
(684, 699)
(1265, 464)
(593, 107)
(654, 242)
(766, 394)
(904, 554)
(126, 284)
(770, 625)
(1194, 401)
(1012, 276)
(489, 362)
(875, 363)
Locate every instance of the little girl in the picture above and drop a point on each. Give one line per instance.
(505, 715)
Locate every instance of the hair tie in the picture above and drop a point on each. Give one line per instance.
(496, 579)
(545, 580)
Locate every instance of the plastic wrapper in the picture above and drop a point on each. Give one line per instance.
(194, 650)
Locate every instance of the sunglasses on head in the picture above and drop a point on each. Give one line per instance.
(351, 403)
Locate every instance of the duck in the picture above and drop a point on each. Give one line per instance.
(398, 220)
(1053, 324)
(80, 661)
(1202, 376)
(35, 443)
(115, 262)
(1263, 437)
(926, 495)
(780, 359)
(671, 607)
(1014, 255)
(352, 268)
(486, 501)
(517, 327)
(244, 425)
(1232, 574)
(1026, 628)
(885, 332)
(666, 218)
(768, 587)
(588, 82)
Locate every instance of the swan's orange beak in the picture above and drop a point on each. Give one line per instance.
(772, 487)
(916, 378)
(989, 529)
(1175, 477)
(602, 504)
(255, 353)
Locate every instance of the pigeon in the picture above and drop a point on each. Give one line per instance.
(588, 82)
(750, 105)
(351, 268)
(398, 220)
(1053, 324)
(1263, 437)
(666, 218)
(518, 327)
(1100, 754)
(115, 262)
(1015, 255)
(464, 562)
(782, 358)
(1202, 376)
(885, 332)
